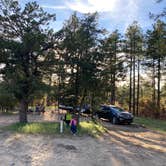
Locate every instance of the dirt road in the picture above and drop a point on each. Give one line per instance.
(121, 146)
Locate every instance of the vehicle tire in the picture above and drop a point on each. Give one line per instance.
(129, 123)
(114, 120)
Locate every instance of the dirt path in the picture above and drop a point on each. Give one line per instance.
(121, 146)
(47, 117)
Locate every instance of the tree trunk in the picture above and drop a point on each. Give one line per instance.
(81, 104)
(112, 89)
(114, 75)
(137, 112)
(23, 111)
(76, 92)
(153, 85)
(134, 80)
(92, 103)
(76, 86)
(130, 96)
(159, 77)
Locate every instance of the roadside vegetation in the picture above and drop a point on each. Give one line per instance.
(155, 124)
(85, 128)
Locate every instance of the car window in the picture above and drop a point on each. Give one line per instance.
(105, 108)
(117, 109)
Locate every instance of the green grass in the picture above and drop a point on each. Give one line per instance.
(33, 128)
(89, 128)
(154, 124)
(92, 128)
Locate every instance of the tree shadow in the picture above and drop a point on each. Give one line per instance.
(124, 137)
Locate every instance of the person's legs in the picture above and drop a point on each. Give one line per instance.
(73, 129)
(67, 122)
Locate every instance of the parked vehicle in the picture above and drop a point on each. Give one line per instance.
(67, 108)
(86, 109)
(115, 114)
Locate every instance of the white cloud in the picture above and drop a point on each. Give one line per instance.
(118, 11)
(54, 7)
(113, 13)
(127, 9)
(91, 6)
(131, 11)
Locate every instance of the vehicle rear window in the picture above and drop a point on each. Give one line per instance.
(117, 109)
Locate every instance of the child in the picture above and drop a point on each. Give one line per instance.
(73, 124)
(68, 118)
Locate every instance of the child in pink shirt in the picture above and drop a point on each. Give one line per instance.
(73, 124)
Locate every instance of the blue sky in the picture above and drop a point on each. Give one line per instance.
(113, 14)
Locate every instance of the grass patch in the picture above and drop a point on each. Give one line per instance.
(92, 128)
(33, 128)
(154, 124)
(89, 128)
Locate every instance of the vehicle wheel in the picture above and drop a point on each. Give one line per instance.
(114, 120)
(128, 123)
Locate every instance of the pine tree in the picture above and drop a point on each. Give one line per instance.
(113, 68)
(26, 50)
(134, 40)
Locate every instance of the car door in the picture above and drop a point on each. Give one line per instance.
(102, 112)
(107, 113)
(111, 114)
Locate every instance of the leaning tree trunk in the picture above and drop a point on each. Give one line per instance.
(23, 111)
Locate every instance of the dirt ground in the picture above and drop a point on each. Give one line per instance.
(123, 145)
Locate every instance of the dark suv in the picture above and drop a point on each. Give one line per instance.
(115, 114)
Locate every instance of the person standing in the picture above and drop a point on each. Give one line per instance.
(68, 118)
(73, 124)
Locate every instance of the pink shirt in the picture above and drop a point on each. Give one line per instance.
(73, 122)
